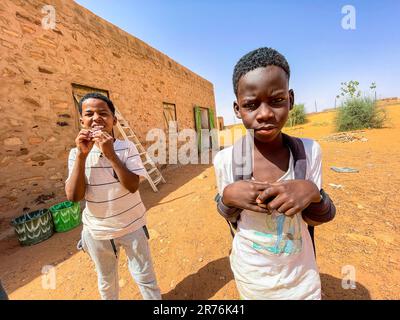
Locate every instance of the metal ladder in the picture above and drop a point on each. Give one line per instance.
(153, 174)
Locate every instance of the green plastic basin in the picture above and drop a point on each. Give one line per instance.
(33, 227)
(66, 215)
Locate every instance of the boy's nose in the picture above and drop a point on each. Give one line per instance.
(265, 112)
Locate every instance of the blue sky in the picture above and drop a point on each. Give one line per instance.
(209, 36)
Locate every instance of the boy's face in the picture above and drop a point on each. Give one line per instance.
(95, 112)
(264, 101)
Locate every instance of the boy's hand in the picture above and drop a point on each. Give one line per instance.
(84, 142)
(291, 196)
(105, 142)
(243, 194)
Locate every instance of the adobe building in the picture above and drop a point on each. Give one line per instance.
(43, 72)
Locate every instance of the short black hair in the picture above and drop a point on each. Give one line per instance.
(258, 58)
(96, 95)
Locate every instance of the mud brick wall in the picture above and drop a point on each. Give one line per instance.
(39, 118)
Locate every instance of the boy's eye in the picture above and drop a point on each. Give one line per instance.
(250, 106)
(278, 100)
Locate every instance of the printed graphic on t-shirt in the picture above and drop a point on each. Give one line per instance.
(282, 235)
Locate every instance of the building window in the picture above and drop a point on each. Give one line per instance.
(169, 111)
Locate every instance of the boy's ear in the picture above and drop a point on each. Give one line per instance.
(115, 120)
(291, 99)
(236, 109)
(81, 121)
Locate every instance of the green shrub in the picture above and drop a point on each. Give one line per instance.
(359, 113)
(296, 116)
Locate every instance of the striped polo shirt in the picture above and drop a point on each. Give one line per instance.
(111, 210)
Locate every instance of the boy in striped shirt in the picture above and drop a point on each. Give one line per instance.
(105, 172)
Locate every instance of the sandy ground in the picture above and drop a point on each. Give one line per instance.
(190, 243)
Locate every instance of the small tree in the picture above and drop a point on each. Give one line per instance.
(296, 116)
(350, 89)
(358, 112)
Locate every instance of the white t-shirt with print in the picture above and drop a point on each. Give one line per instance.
(272, 255)
(111, 210)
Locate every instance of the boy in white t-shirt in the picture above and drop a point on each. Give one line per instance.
(272, 252)
(105, 172)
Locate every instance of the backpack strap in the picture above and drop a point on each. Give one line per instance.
(242, 158)
(296, 146)
(300, 167)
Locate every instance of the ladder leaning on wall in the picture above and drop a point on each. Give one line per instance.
(153, 174)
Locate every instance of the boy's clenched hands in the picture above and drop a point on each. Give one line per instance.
(290, 196)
